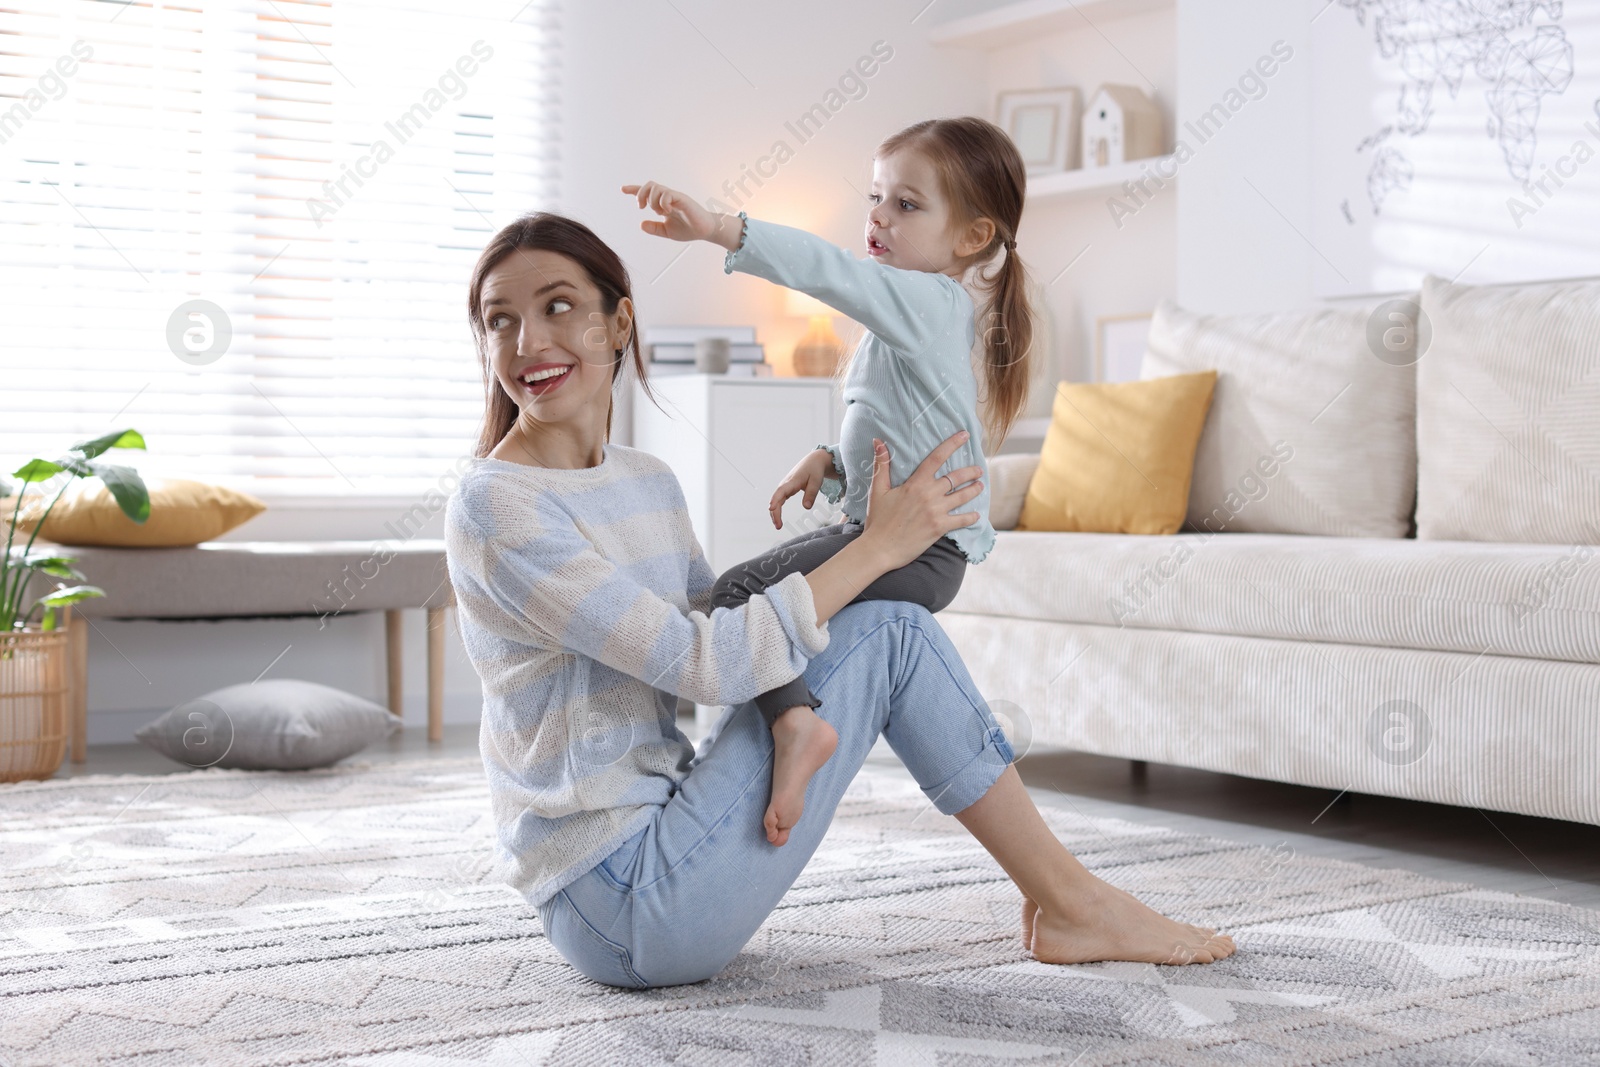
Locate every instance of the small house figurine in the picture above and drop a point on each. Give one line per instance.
(1120, 124)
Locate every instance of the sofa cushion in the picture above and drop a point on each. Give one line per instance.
(1302, 394)
(1117, 456)
(1508, 413)
(1452, 596)
(1009, 475)
(182, 513)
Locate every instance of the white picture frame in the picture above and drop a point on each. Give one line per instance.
(1044, 125)
(1119, 346)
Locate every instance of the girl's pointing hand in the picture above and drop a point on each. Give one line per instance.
(681, 218)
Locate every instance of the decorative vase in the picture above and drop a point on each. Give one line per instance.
(33, 703)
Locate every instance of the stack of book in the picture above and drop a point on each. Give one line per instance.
(674, 346)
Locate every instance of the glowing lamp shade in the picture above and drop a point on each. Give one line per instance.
(804, 305)
(818, 353)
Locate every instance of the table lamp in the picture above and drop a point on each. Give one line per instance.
(818, 353)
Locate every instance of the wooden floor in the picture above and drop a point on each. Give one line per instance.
(1546, 858)
(1537, 857)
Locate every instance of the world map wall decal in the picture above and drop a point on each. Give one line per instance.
(1454, 137)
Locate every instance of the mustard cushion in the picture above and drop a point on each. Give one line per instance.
(182, 513)
(1119, 455)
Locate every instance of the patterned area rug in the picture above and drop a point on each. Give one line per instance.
(340, 916)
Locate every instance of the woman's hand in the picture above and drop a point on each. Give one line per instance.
(681, 218)
(805, 478)
(903, 520)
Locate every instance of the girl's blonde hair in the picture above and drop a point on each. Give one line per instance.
(982, 176)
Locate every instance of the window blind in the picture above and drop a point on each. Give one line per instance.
(245, 228)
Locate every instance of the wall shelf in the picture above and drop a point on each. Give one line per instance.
(1029, 19)
(1067, 184)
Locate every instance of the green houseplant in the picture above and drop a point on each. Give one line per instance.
(34, 660)
(21, 565)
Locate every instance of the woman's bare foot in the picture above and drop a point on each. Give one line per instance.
(801, 743)
(1113, 925)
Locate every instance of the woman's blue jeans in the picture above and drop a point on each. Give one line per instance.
(676, 902)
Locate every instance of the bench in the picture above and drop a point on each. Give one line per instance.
(256, 579)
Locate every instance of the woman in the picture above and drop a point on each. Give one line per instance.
(585, 607)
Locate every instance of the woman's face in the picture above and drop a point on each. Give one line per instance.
(550, 342)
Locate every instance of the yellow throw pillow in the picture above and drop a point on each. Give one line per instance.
(1118, 456)
(181, 513)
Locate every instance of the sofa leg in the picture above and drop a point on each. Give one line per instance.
(1139, 771)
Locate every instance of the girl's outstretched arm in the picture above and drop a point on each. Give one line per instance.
(902, 307)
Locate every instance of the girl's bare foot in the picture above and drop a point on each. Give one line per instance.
(1109, 924)
(801, 743)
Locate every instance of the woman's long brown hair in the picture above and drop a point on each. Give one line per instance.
(982, 176)
(547, 232)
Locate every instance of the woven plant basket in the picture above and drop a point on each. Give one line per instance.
(33, 703)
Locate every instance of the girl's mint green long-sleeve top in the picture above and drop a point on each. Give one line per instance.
(911, 382)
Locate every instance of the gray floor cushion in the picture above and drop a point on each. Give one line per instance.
(283, 724)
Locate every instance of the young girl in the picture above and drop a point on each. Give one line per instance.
(943, 298)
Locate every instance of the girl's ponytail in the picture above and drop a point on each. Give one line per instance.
(1007, 348)
(983, 176)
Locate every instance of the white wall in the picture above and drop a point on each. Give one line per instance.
(1242, 249)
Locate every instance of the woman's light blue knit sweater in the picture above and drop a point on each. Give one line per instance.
(912, 381)
(585, 606)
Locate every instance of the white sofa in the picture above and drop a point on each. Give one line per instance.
(1294, 631)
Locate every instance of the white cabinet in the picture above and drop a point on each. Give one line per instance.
(730, 441)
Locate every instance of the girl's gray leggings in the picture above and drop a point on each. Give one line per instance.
(931, 580)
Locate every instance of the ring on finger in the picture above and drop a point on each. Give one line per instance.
(950, 483)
